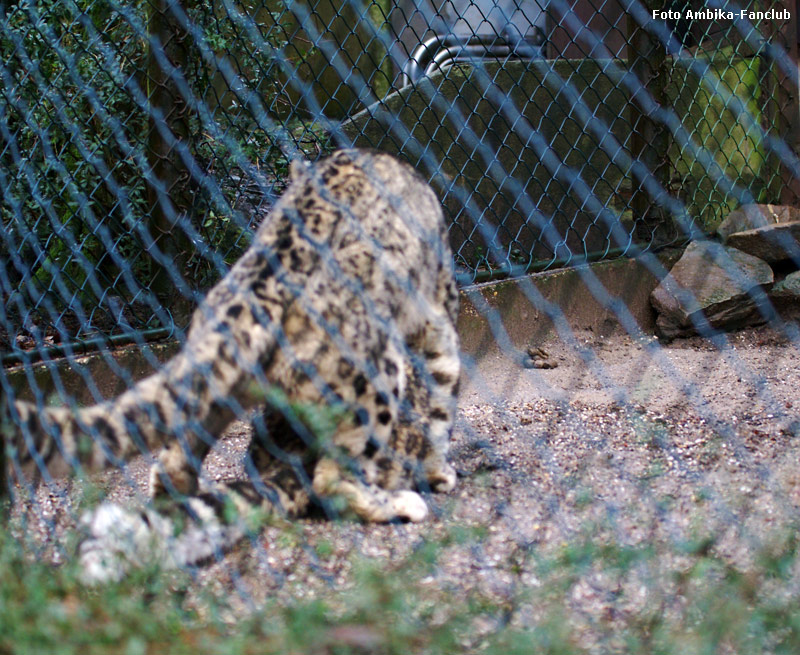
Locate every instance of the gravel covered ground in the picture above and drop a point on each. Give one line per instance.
(653, 448)
(690, 445)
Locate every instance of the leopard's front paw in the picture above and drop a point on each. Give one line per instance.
(443, 480)
(409, 505)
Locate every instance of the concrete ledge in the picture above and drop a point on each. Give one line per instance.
(625, 280)
(72, 374)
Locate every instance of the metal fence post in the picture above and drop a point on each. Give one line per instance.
(649, 140)
(782, 92)
(168, 210)
(5, 496)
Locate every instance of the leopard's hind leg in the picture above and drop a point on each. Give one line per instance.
(429, 412)
(194, 529)
(185, 530)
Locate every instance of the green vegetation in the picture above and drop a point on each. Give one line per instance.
(83, 148)
(710, 111)
(693, 603)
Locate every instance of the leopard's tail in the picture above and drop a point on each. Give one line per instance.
(183, 402)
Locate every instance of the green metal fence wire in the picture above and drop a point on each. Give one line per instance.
(120, 121)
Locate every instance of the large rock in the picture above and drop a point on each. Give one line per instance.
(711, 279)
(788, 287)
(773, 243)
(752, 217)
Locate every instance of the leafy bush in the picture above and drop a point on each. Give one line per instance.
(83, 148)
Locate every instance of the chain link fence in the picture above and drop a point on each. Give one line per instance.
(544, 128)
(616, 494)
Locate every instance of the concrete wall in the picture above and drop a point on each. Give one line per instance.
(624, 280)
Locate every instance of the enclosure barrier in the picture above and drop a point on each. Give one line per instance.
(616, 493)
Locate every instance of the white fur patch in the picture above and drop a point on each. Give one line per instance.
(118, 540)
(410, 505)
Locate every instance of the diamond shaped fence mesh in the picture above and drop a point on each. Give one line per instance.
(615, 492)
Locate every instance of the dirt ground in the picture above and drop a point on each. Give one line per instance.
(648, 444)
(639, 444)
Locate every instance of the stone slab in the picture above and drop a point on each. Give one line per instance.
(713, 280)
(788, 287)
(773, 243)
(751, 217)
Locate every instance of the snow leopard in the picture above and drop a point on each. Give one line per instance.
(341, 314)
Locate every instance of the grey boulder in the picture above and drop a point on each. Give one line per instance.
(711, 280)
